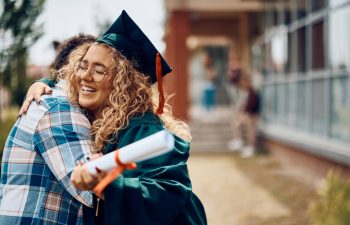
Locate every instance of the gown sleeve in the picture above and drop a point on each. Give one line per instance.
(47, 81)
(156, 192)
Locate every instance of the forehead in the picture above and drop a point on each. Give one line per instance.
(98, 54)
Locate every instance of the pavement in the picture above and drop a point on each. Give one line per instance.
(228, 196)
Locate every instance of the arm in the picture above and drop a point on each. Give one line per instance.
(62, 138)
(35, 91)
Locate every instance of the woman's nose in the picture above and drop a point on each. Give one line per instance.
(86, 75)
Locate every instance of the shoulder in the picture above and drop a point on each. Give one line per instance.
(59, 112)
(147, 118)
(142, 125)
(59, 103)
(139, 126)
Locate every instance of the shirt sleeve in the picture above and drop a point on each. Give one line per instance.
(156, 192)
(62, 137)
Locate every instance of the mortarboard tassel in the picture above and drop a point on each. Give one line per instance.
(160, 84)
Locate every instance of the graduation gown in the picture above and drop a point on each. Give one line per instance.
(157, 192)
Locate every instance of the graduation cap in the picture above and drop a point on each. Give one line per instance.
(125, 36)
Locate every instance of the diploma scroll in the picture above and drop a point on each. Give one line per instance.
(146, 148)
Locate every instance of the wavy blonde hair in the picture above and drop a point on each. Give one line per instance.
(131, 94)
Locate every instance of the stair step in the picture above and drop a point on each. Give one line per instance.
(211, 134)
(209, 147)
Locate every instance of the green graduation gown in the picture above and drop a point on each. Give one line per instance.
(157, 192)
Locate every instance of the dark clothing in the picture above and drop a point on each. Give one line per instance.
(253, 102)
(157, 192)
(234, 76)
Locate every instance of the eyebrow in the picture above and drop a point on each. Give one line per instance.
(94, 64)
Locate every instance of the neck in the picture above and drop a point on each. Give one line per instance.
(98, 114)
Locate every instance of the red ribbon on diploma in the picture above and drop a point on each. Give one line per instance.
(113, 174)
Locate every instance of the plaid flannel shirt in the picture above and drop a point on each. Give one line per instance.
(39, 156)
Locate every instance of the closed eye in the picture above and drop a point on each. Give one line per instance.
(100, 70)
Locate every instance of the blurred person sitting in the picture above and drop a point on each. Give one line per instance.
(245, 119)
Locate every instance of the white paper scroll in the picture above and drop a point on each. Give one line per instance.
(146, 148)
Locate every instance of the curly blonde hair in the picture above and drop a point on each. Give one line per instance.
(131, 94)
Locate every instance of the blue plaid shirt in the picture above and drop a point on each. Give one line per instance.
(39, 156)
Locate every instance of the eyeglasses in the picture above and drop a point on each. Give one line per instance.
(97, 72)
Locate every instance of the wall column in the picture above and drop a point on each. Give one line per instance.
(177, 54)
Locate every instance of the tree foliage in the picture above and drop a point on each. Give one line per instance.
(18, 31)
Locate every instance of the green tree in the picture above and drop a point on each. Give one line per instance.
(18, 32)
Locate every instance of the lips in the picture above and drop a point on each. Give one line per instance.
(87, 89)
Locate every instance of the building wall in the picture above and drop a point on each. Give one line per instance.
(208, 23)
(304, 59)
(297, 161)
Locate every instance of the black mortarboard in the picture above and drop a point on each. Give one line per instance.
(125, 36)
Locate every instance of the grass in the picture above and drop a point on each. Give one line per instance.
(7, 120)
(333, 204)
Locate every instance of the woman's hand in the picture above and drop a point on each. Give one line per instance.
(35, 91)
(82, 179)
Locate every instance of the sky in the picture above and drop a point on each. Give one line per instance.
(65, 18)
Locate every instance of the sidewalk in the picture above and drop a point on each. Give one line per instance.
(236, 191)
(252, 191)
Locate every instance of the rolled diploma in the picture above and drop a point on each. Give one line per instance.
(146, 148)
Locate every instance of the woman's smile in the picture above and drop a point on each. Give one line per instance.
(86, 89)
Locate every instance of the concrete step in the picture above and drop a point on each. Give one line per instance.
(210, 133)
(210, 137)
(211, 147)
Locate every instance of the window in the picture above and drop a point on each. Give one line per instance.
(288, 11)
(317, 4)
(268, 59)
(301, 8)
(339, 39)
(258, 58)
(281, 103)
(301, 43)
(336, 2)
(318, 107)
(311, 56)
(291, 64)
(292, 100)
(268, 104)
(271, 15)
(318, 56)
(302, 106)
(340, 108)
(278, 52)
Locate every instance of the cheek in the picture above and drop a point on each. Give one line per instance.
(106, 91)
(107, 87)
